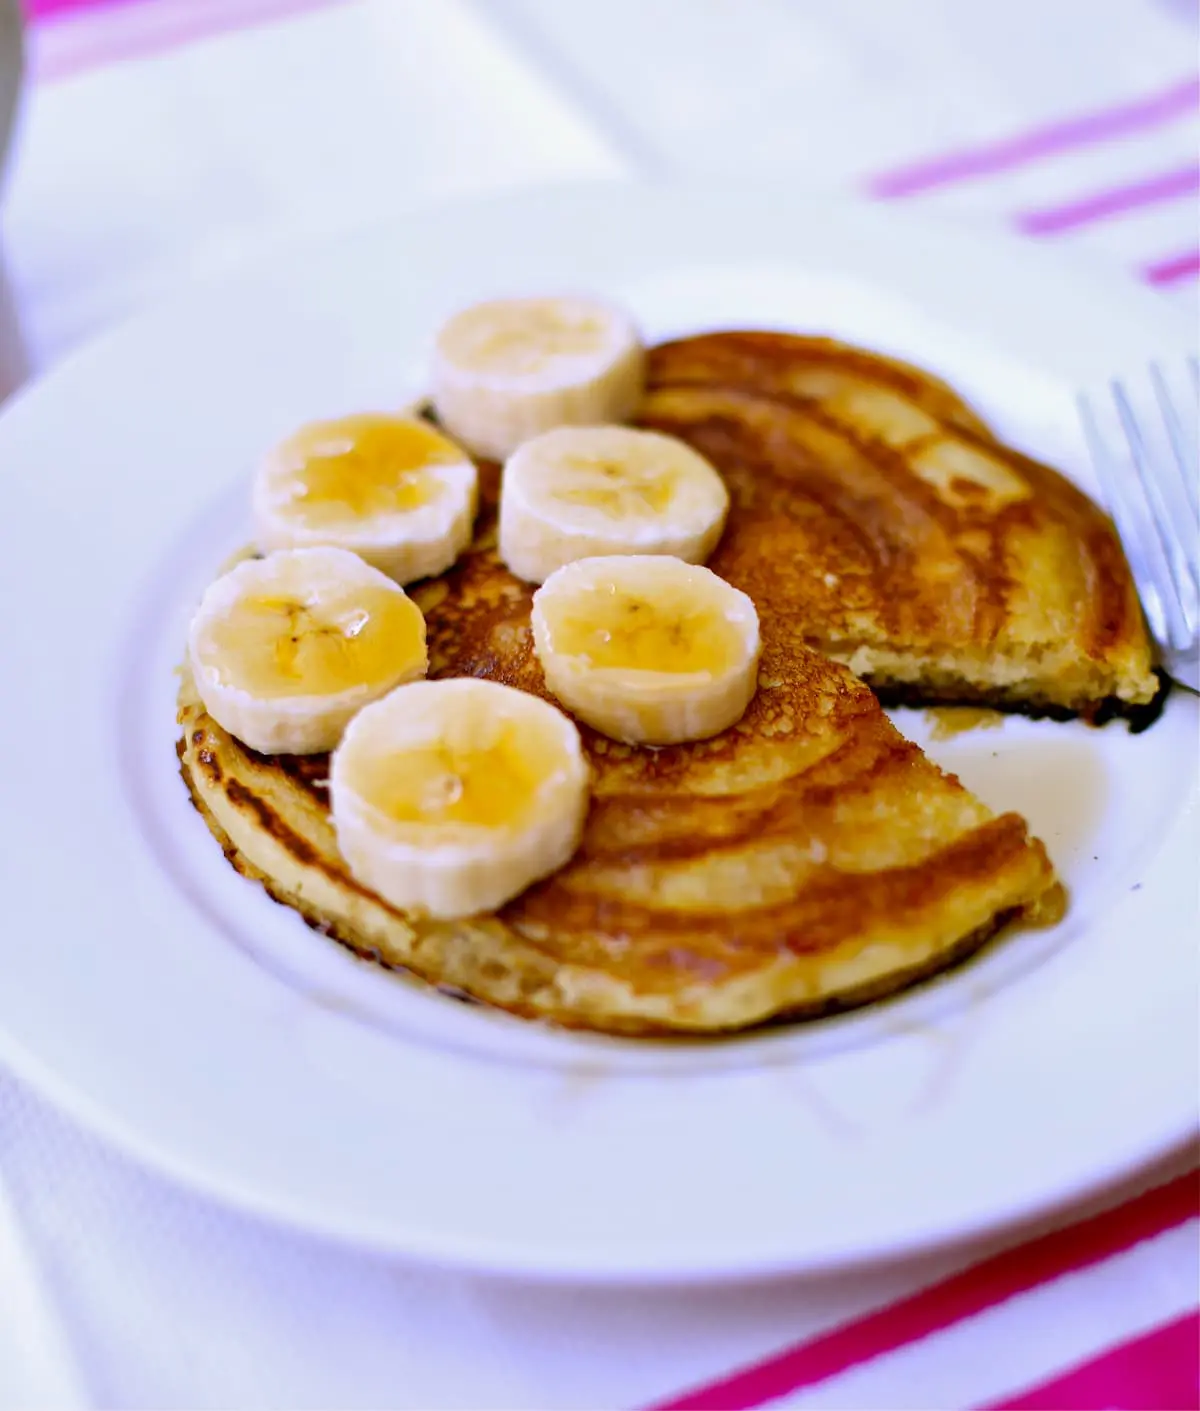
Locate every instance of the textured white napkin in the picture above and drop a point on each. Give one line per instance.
(132, 175)
(170, 1301)
(844, 94)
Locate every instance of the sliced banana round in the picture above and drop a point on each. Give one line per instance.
(647, 649)
(505, 370)
(583, 491)
(451, 797)
(391, 488)
(285, 650)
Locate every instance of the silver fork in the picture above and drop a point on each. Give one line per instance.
(1148, 464)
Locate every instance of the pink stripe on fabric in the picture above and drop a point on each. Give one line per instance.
(1081, 131)
(140, 28)
(942, 1305)
(1159, 1371)
(1167, 187)
(40, 10)
(1172, 270)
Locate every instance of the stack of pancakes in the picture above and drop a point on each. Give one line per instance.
(810, 858)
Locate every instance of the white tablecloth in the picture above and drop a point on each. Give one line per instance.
(165, 136)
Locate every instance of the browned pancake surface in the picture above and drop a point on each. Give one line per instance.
(941, 565)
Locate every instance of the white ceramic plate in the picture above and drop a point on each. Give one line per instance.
(169, 1004)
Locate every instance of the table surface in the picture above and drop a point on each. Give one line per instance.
(164, 138)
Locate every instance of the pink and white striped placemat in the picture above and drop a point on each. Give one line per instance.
(162, 134)
(171, 1302)
(1165, 186)
(1004, 1303)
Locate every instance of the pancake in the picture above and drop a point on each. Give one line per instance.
(908, 543)
(844, 379)
(807, 860)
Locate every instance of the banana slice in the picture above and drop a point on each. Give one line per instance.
(647, 649)
(286, 649)
(506, 370)
(391, 488)
(450, 797)
(582, 491)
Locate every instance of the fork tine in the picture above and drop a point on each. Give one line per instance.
(1128, 522)
(1185, 444)
(1182, 608)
